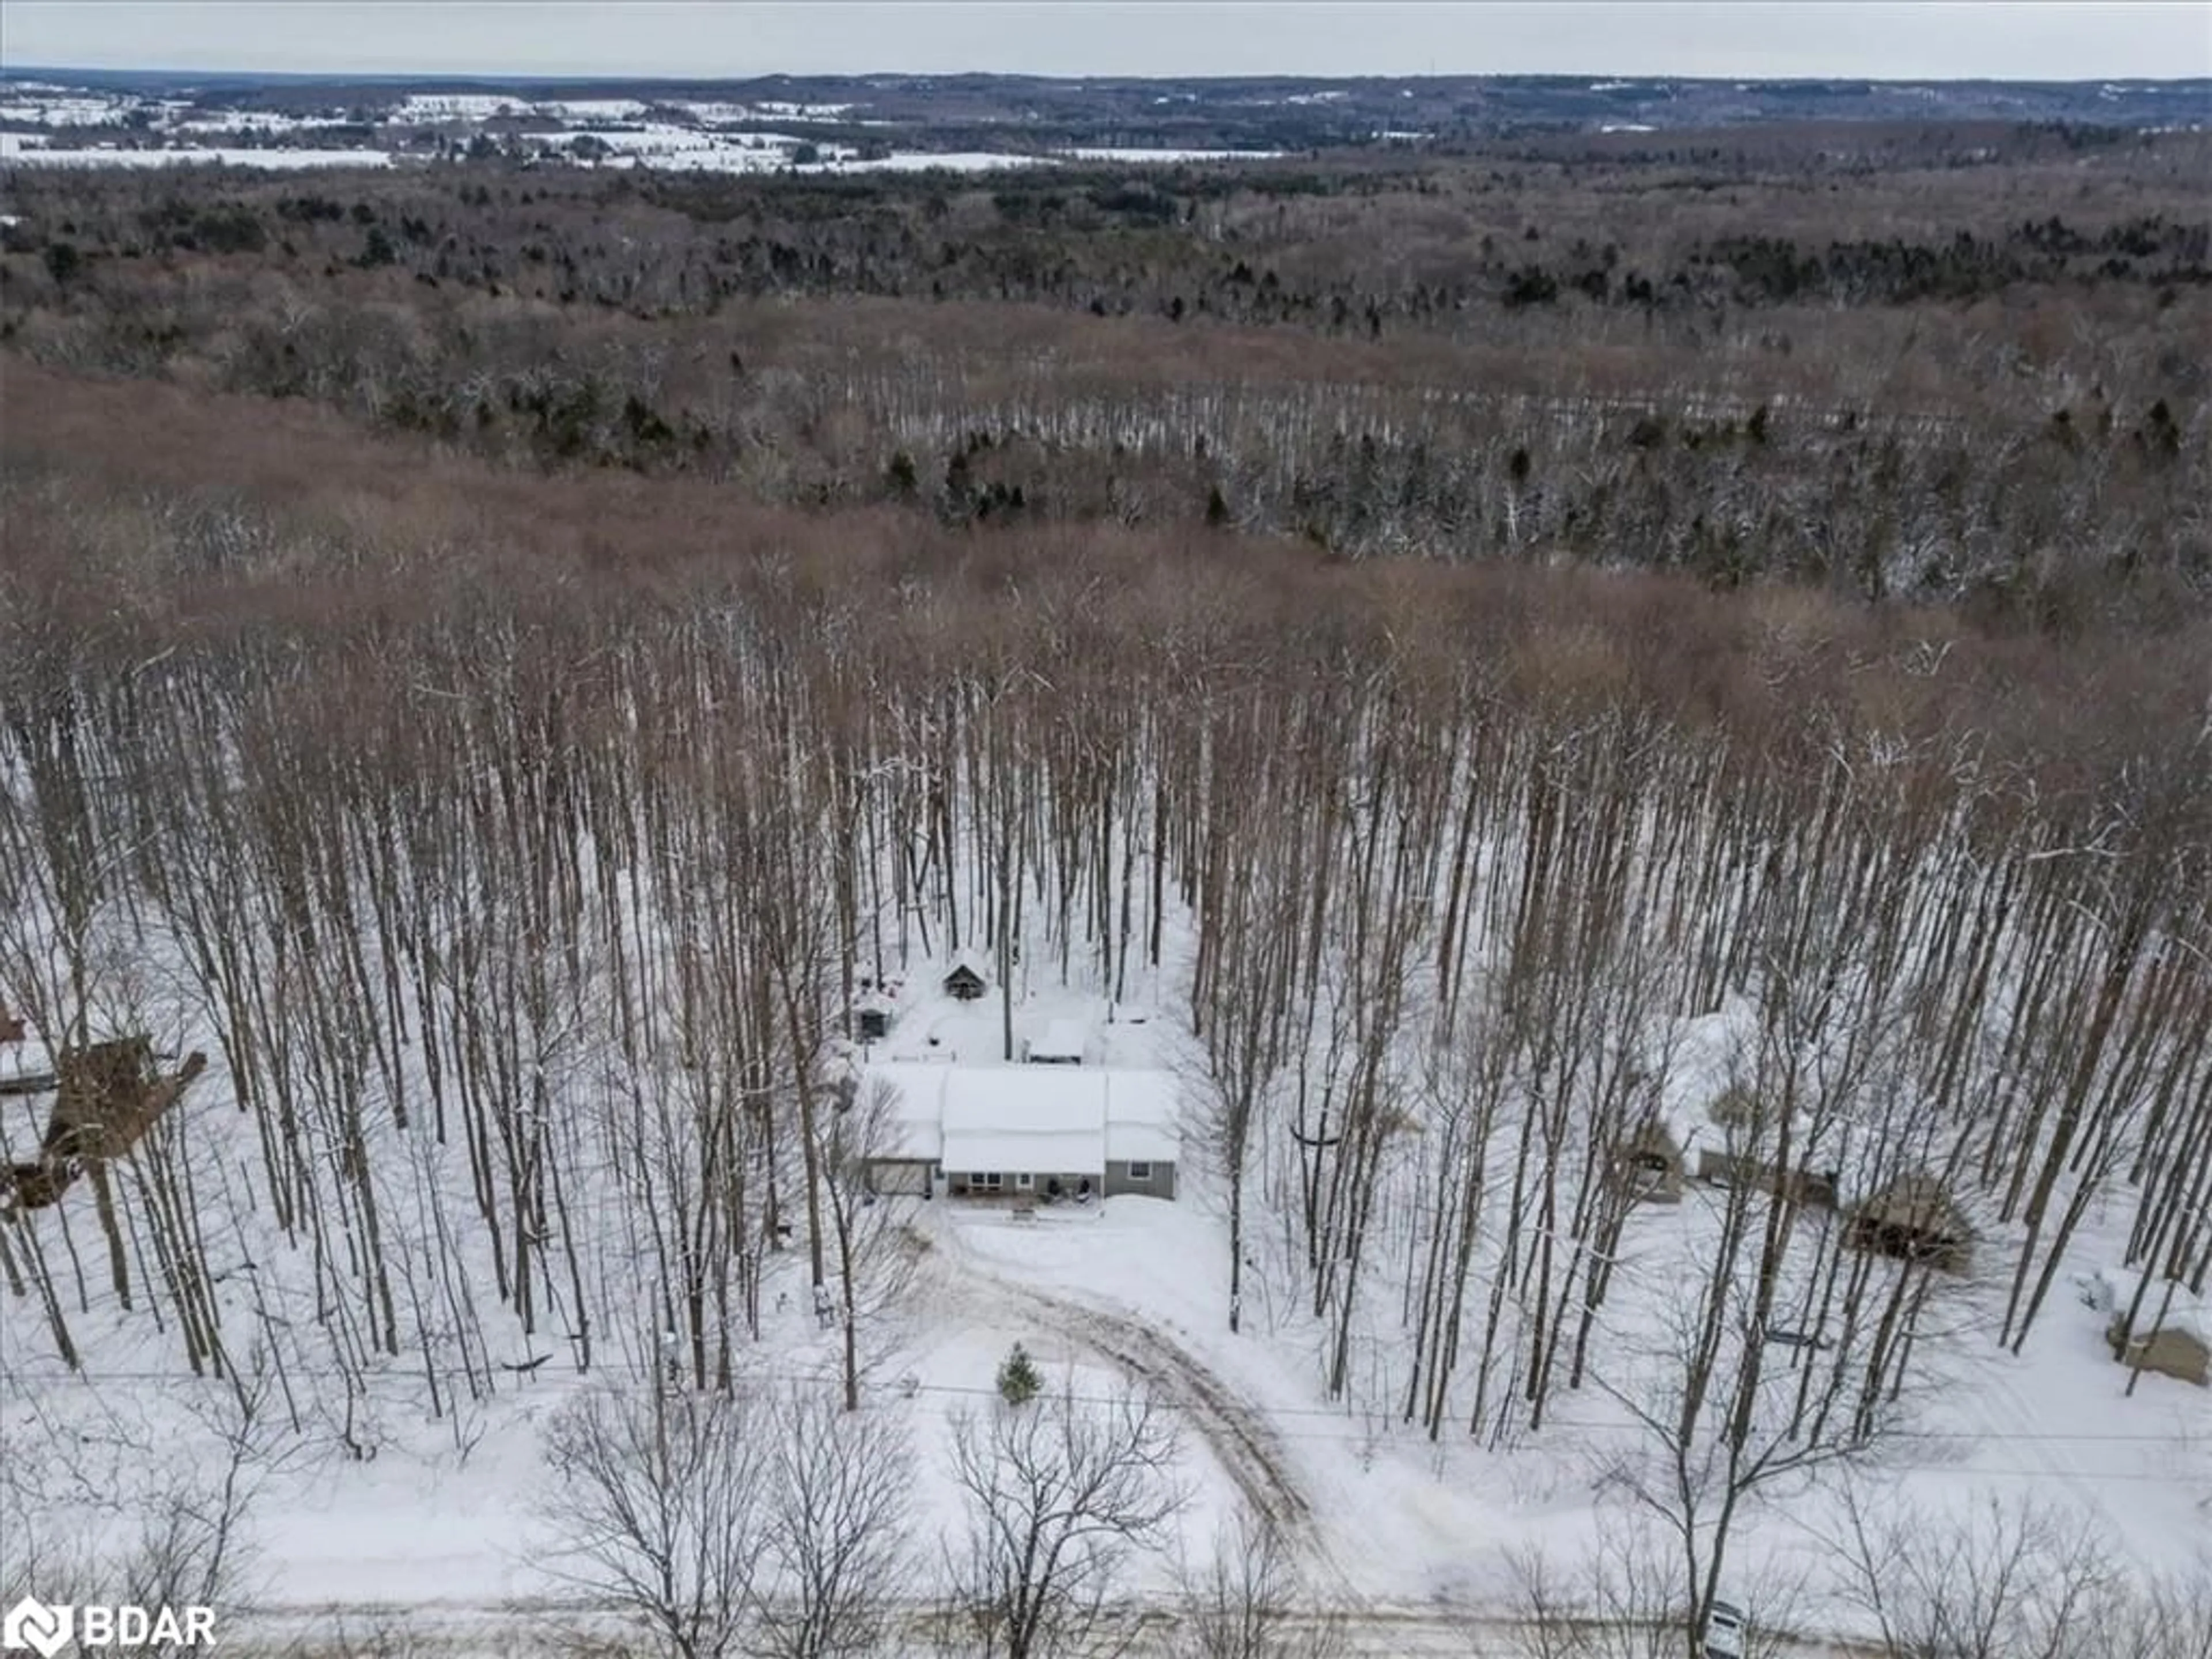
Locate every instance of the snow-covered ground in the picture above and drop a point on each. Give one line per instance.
(1093, 155)
(251, 120)
(685, 136)
(53, 110)
(427, 106)
(1400, 1521)
(285, 160)
(968, 161)
(660, 144)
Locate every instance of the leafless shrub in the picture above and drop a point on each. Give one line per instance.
(2008, 1580)
(1245, 1600)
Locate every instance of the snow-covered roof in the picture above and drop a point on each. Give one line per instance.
(917, 1112)
(973, 961)
(1063, 1039)
(2186, 1311)
(1070, 1151)
(1046, 1119)
(979, 1099)
(1000, 1118)
(1143, 1117)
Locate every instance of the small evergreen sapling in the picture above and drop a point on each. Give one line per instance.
(1018, 1380)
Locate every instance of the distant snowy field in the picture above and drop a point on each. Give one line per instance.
(12, 148)
(684, 135)
(1166, 156)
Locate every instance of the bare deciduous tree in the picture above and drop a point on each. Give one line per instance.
(874, 1260)
(1061, 1493)
(835, 1532)
(656, 1509)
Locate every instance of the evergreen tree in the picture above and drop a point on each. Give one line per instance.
(1019, 1381)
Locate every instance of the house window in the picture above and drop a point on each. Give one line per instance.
(1140, 1172)
(990, 1182)
(1025, 1182)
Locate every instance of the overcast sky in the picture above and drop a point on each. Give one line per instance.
(2052, 40)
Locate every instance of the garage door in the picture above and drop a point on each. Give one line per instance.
(911, 1179)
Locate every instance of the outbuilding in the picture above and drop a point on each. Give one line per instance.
(968, 978)
(2170, 1333)
(1913, 1218)
(871, 1017)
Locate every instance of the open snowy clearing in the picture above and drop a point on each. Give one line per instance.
(1164, 155)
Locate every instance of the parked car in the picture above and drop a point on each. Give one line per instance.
(1724, 1631)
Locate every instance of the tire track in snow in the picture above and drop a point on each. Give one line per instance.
(2008, 1419)
(1239, 1436)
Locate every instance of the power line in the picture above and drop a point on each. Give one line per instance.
(1255, 1418)
(1245, 1413)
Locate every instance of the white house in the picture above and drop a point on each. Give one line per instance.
(1051, 1132)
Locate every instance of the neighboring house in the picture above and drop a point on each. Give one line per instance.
(2175, 1338)
(1913, 1218)
(1060, 1045)
(1739, 1162)
(1028, 1132)
(107, 1096)
(969, 978)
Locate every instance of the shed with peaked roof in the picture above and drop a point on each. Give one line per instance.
(970, 976)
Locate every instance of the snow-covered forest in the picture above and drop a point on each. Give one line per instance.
(520, 913)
